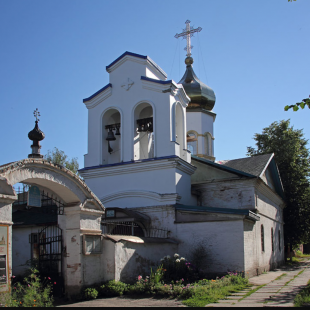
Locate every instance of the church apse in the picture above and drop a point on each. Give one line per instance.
(144, 142)
(111, 137)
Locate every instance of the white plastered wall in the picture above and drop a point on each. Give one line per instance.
(223, 240)
(202, 123)
(271, 216)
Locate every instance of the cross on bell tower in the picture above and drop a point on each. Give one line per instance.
(187, 33)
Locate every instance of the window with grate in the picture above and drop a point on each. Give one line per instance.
(262, 238)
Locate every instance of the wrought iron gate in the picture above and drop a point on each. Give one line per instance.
(50, 258)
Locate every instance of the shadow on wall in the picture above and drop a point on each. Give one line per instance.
(134, 259)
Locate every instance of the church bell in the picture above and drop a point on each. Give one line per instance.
(110, 136)
(117, 133)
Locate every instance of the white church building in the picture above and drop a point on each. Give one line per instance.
(151, 163)
(151, 187)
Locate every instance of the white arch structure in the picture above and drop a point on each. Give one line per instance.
(82, 210)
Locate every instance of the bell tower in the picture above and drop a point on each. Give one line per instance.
(137, 148)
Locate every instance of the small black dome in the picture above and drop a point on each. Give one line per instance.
(36, 134)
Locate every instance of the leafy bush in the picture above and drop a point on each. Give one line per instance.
(113, 288)
(194, 294)
(177, 268)
(90, 293)
(33, 293)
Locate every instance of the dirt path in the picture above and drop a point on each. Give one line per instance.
(127, 302)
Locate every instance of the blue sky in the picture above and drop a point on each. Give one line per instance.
(254, 54)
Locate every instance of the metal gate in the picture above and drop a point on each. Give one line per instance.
(50, 246)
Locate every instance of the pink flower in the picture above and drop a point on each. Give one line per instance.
(139, 278)
(49, 278)
(54, 282)
(28, 285)
(13, 277)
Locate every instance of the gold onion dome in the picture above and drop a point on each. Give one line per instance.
(201, 95)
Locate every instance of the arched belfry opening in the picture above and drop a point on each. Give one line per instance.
(144, 139)
(111, 137)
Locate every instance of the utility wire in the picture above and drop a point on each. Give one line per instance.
(199, 46)
(176, 48)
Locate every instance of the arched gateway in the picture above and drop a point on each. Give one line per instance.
(79, 221)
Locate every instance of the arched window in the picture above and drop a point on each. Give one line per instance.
(262, 238)
(192, 142)
(279, 233)
(272, 241)
(111, 137)
(144, 140)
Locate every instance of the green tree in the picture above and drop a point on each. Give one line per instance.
(302, 104)
(59, 157)
(293, 160)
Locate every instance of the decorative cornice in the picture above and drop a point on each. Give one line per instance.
(8, 198)
(138, 166)
(161, 198)
(91, 231)
(6, 223)
(158, 85)
(98, 97)
(201, 110)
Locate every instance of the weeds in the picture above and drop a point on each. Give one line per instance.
(280, 277)
(303, 297)
(251, 292)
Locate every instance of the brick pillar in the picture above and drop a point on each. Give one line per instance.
(75, 222)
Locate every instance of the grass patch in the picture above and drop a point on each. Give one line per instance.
(280, 277)
(204, 295)
(295, 261)
(251, 292)
(303, 297)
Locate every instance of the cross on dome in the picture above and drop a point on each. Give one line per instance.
(36, 113)
(187, 33)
